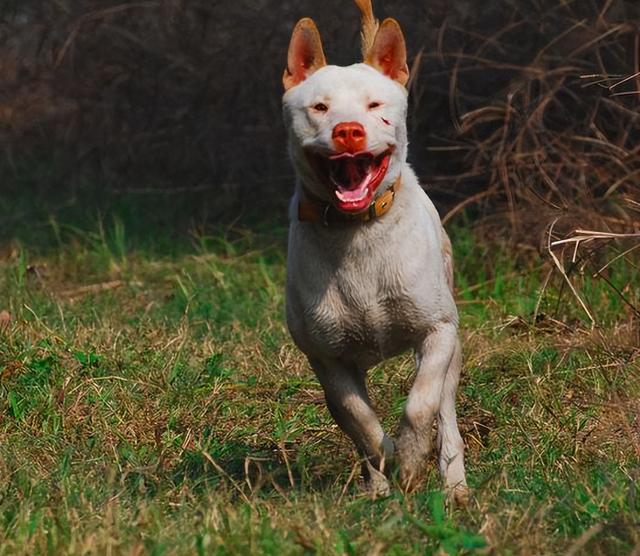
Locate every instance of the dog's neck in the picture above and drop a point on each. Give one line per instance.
(310, 209)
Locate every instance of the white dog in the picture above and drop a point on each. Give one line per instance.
(369, 272)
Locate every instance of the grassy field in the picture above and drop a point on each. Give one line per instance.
(151, 402)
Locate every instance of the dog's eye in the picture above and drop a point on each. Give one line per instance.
(375, 104)
(320, 107)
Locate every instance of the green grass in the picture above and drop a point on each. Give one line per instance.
(166, 410)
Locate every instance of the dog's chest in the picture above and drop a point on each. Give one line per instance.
(363, 312)
(370, 320)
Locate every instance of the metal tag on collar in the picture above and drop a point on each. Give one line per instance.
(384, 204)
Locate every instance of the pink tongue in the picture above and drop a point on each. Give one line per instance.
(357, 183)
(351, 194)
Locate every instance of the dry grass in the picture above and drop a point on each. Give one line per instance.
(155, 405)
(519, 107)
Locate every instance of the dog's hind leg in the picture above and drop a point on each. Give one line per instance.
(433, 358)
(450, 444)
(347, 399)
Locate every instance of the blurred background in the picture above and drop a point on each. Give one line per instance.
(168, 111)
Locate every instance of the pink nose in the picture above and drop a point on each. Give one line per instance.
(349, 137)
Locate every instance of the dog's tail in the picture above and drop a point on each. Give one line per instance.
(369, 26)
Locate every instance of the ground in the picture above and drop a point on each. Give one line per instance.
(152, 402)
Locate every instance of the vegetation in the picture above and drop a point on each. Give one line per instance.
(523, 105)
(153, 403)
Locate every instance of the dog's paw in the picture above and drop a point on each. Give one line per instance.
(411, 479)
(459, 495)
(412, 452)
(377, 485)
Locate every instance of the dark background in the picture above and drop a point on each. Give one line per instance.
(107, 105)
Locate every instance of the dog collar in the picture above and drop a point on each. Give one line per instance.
(313, 211)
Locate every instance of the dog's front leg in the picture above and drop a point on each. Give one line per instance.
(450, 444)
(433, 358)
(345, 391)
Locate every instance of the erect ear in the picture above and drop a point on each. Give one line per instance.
(305, 53)
(389, 53)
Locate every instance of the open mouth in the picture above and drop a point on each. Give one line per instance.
(353, 178)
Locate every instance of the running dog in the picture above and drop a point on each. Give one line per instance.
(369, 270)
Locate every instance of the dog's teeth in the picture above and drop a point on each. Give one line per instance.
(347, 197)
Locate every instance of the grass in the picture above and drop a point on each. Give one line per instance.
(151, 402)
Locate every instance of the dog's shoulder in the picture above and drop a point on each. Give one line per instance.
(441, 244)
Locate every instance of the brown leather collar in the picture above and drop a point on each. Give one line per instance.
(316, 211)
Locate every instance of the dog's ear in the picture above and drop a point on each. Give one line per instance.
(389, 52)
(305, 53)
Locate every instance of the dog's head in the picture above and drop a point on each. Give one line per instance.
(347, 125)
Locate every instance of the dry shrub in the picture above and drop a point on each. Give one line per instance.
(545, 134)
(185, 95)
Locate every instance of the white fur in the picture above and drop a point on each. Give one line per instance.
(361, 292)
